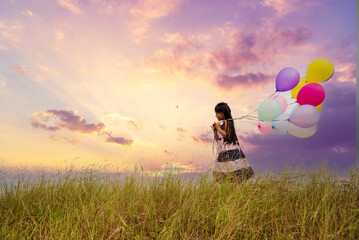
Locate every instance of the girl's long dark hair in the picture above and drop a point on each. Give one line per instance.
(231, 136)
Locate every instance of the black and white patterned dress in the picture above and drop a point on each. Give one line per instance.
(230, 159)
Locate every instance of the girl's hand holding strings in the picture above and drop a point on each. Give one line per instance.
(213, 126)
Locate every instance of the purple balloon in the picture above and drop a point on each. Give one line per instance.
(287, 79)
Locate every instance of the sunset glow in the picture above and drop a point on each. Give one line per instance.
(135, 82)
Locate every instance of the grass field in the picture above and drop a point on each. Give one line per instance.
(271, 206)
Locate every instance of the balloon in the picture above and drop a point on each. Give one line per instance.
(291, 107)
(281, 126)
(287, 79)
(294, 91)
(302, 132)
(265, 127)
(319, 107)
(312, 93)
(283, 103)
(319, 70)
(269, 109)
(304, 116)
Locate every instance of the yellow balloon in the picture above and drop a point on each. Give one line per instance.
(319, 107)
(302, 132)
(319, 70)
(294, 91)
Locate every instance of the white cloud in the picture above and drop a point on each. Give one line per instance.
(47, 69)
(3, 47)
(59, 34)
(70, 5)
(284, 7)
(7, 36)
(2, 84)
(146, 10)
(39, 79)
(27, 13)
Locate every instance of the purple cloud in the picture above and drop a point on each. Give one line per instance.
(203, 138)
(179, 129)
(37, 124)
(292, 36)
(168, 153)
(118, 140)
(75, 123)
(246, 80)
(136, 125)
(229, 60)
(65, 119)
(247, 48)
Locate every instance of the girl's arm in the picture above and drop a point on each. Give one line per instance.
(218, 126)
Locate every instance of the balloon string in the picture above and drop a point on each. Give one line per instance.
(292, 103)
(281, 120)
(257, 105)
(285, 94)
(273, 94)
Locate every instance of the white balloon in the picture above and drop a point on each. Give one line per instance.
(280, 125)
(302, 132)
(269, 109)
(304, 116)
(291, 107)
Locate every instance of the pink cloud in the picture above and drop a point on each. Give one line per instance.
(180, 44)
(72, 141)
(136, 125)
(19, 69)
(345, 72)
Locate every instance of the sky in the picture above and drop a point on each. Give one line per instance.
(118, 84)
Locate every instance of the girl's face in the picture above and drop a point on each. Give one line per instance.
(220, 116)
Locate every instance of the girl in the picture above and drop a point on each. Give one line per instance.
(231, 161)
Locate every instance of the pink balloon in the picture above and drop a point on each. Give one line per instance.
(312, 94)
(265, 127)
(283, 102)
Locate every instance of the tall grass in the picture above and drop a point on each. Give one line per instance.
(271, 206)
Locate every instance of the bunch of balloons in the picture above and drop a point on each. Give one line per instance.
(308, 95)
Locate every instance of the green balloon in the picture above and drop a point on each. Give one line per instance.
(269, 109)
